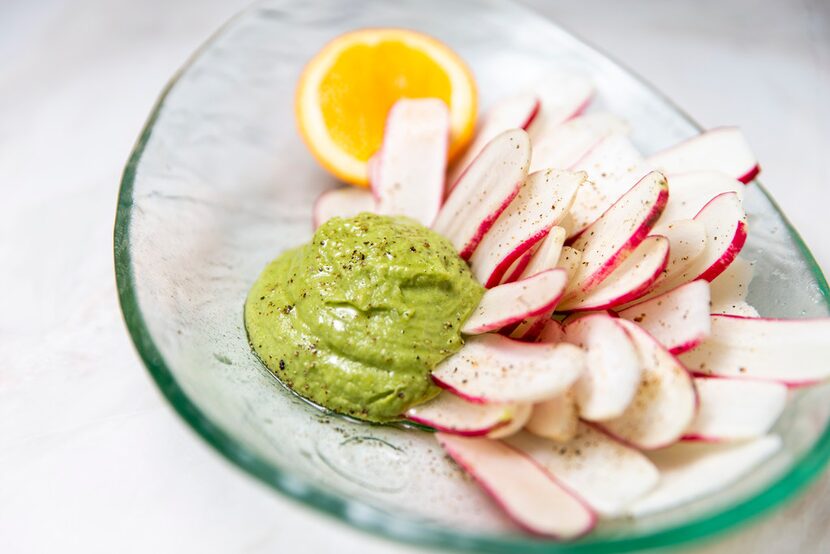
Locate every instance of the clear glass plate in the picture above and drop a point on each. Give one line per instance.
(220, 183)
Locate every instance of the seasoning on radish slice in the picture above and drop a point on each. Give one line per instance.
(606, 473)
(484, 191)
(627, 282)
(409, 177)
(690, 192)
(610, 239)
(507, 304)
(678, 319)
(723, 149)
(451, 414)
(790, 351)
(493, 368)
(527, 493)
(613, 368)
(342, 202)
(729, 290)
(513, 112)
(733, 409)
(691, 470)
(665, 402)
(543, 199)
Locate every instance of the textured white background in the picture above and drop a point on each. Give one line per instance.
(91, 457)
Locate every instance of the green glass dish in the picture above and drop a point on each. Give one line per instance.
(219, 183)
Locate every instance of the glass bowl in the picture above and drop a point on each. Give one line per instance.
(219, 183)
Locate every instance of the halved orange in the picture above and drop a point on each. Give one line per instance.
(347, 89)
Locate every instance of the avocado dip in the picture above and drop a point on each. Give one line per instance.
(357, 319)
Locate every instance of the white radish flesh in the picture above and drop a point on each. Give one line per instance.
(795, 352)
(514, 112)
(689, 471)
(566, 144)
(547, 256)
(606, 473)
(612, 367)
(413, 160)
(507, 304)
(556, 419)
(542, 201)
(665, 403)
(451, 414)
(729, 290)
(342, 202)
(678, 319)
(733, 409)
(610, 239)
(563, 97)
(484, 191)
(493, 368)
(689, 192)
(627, 282)
(724, 149)
(520, 418)
(528, 494)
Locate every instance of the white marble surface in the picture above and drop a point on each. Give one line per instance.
(91, 457)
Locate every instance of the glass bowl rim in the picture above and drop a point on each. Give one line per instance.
(409, 530)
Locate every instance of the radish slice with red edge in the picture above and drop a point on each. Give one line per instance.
(520, 418)
(413, 159)
(690, 192)
(514, 112)
(665, 403)
(566, 144)
(507, 304)
(342, 202)
(547, 256)
(791, 351)
(563, 96)
(451, 414)
(528, 494)
(613, 368)
(610, 239)
(606, 473)
(543, 200)
(493, 368)
(678, 319)
(627, 282)
(690, 470)
(484, 191)
(723, 149)
(733, 409)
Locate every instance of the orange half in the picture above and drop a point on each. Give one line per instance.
(347, 89)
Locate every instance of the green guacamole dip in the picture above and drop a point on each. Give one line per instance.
(356, 319)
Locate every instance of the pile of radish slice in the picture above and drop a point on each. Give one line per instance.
(613, 367)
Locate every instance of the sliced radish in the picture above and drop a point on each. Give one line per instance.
(484, 191)
(610, 239)
(566, 144)
(689, 471)
(627, 282)
(790, 351)
(493, 368)
(517, 268)
(514, 112)
(687, 241)
(665, 403)
(612, 367)
(690, 192)
(613, 167)
(342, 202)
(507, 304)
(725, 223)
(527, 493)
(731, 409)
(543, 199)
(373, 169)
(678, 319)
(547, 256)
(452, 414)
(551, 333)
(606, 473)
(724, 149)
(570, 260)
(563, 97)
(413, 159)
(729, 290)
(555, 419)
(520, 418)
